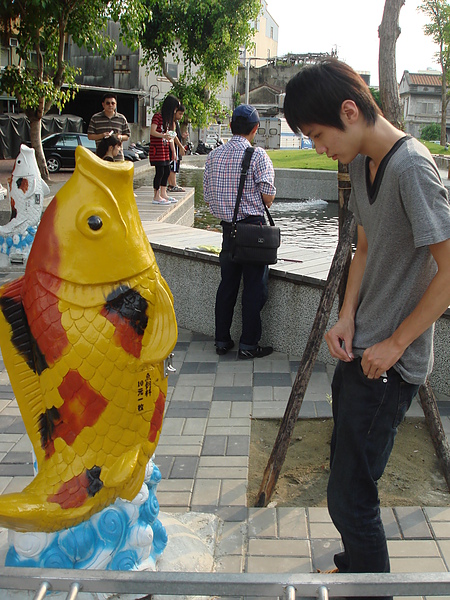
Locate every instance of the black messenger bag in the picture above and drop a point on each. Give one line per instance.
(253, 243)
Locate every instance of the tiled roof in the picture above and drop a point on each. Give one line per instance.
(425, 79)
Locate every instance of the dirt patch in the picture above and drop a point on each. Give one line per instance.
(413, 476)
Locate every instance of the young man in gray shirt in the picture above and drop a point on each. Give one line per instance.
(398, 286)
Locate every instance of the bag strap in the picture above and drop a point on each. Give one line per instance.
(244, 170)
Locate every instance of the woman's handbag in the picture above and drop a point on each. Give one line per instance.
(253, 243)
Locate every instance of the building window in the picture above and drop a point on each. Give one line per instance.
(122, 62)
(4, 56)
(427, 108)
(172, 70)
(271, 33)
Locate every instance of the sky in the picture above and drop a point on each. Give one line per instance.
(352, 26)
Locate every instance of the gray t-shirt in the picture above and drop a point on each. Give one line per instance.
(404, 211)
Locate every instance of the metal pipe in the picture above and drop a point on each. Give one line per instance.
(73, 592)
(289, 593)
(322, 593)
(43, 588)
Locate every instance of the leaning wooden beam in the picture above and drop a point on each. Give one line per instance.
(435, 427)
(295, 401)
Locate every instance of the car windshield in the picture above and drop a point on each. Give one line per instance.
(87, 143)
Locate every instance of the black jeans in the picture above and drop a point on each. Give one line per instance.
(254, 294)
(366, 415)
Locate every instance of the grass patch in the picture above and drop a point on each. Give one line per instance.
(435, 148)
(301, 159)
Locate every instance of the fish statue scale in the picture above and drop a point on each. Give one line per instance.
(84, 335)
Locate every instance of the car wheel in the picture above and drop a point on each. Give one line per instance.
(53, 164)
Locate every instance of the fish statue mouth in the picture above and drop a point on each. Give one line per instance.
(87, 335)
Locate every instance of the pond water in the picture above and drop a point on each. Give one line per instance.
(304, 223)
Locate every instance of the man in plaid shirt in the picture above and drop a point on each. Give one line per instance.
(220, 188)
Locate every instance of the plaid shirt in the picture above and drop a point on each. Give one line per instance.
(221, 180)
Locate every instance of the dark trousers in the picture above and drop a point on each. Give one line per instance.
(254, 294)
(366, 415)
(162, 173)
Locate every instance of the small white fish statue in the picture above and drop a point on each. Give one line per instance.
(26, 191)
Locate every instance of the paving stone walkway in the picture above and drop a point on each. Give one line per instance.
(203, 456)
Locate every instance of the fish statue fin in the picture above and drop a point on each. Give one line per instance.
(21, 360)
(126, 473)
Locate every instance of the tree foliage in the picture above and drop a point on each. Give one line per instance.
(41, 27)
(207, 35)
(438, 11)
(431, 132)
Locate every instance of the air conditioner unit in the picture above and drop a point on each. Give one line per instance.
(13, 42)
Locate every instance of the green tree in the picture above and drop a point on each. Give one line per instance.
(41, 27)
(207, 35)
(431, 132)
(439, 30)
(376, 95)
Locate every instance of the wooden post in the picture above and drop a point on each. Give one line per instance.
(435, 427)
(303, 376)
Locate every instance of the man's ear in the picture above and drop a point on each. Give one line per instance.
(349, 112)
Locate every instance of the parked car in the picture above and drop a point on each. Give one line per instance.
(59, 149)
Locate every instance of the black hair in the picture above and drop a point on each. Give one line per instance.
(107, 142)
(240, 126)
(316, 93)
(169, 106)
(109, 95)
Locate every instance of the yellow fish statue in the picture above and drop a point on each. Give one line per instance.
(84, 335)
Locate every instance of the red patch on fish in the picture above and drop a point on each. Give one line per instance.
(72, 493)
(82, 408)
(44, 319)
(125, 336)
(157, 419)
(23, 184)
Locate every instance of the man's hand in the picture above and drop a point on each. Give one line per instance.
(340, 338)
(379, 358)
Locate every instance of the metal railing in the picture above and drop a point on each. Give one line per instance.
(288, 586)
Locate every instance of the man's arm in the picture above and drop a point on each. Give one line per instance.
(99, 136)
(340, 337)
(268, 199)
(435, 301)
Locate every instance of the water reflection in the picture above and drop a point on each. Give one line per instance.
(309, 224)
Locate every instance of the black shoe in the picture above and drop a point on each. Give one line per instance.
(257, 352)
(222, 348)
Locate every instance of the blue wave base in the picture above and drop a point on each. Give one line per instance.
(126, 536)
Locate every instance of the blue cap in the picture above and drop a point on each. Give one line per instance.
(246, 111)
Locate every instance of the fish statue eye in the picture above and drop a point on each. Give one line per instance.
(95, 222)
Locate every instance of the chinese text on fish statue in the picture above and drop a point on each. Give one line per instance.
(26, 190)
(84, 336)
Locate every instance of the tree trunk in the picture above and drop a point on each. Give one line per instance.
(444, 107)
(435, 427)
(36, 143)
(388, 33)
